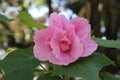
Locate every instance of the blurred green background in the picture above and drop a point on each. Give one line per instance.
(103, 15)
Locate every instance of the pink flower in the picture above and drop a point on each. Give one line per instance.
(64, 42)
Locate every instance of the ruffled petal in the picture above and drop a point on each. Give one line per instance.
(82, 27)
(41, 47)
(58, 21)
(89, 47)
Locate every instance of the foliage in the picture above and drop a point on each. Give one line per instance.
(48, 76)
(22, 61)
(18, 63)
(4, 18)
(87, 68)
(108, 43)
(28, 20)
(6, 31)
(108, 76)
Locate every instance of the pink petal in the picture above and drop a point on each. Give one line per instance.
(77, 47)
(89, 47)
(58, 21)
(65, 58)
(55, 45)
(41, 49)
(82, 27)
(54, 60)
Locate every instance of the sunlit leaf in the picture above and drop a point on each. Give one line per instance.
(18, 62)
(87, 68)
(28, 20)
(4, 18)
(108, 43)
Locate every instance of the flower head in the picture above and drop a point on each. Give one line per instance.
(64, 42)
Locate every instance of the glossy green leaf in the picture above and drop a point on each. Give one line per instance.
(108, 76)
(19, 61)
(28, 20)
(87, 68)
(4, 18)
(48, 76)
(108, 43)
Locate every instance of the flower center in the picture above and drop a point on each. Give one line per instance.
(65, 46)
(64, 32)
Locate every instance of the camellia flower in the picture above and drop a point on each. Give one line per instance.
(64, 42)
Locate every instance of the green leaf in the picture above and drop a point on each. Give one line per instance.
(19, 61)
(5, 31)
(48, 77)
(4, 18)
(21, 74)
(87, 68)
(108, 43)
(28, 20)
(108, 76)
